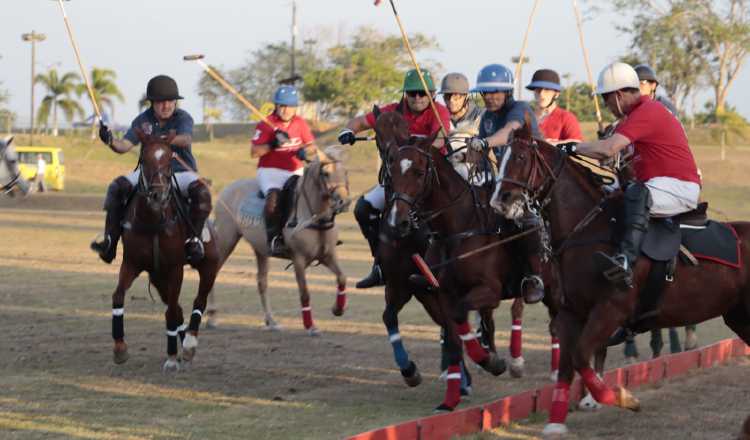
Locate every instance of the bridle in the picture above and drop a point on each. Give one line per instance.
(429, 176)
(540, 169)
(159, 187)
(327, 190)
(8, 187)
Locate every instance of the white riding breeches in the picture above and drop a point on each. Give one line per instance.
(184, 179)
(274, 178)
(672, 196)
(376, 197)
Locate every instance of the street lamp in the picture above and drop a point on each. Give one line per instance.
(517, 60)
(32, 38)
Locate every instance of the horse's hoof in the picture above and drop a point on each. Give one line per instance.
(120, 353)
(272, 327)
(554, 431)
(553, 376)
(313, 331)
(630, 360)
(516, 367)
(443, 408)
(588, 403)
(627, 400)
(337, 311)
(171, 365)
(413, 380)
(691, 342)
(494, 364)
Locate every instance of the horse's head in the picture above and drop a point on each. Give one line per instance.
(391, 131)
(411, 174)
(155, 182)
(333, 178)
(10, 172)
(523, 174)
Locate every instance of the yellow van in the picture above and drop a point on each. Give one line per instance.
(54, 175)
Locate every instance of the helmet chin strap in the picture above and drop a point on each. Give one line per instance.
(551, 102)
(619, 108)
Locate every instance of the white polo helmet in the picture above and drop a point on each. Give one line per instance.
(617, 76)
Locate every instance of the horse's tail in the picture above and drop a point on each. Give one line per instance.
(745, 434)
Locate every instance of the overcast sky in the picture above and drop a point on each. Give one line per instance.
(143, 38)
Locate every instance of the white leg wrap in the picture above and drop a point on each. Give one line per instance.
(588, 403)
(555, 429)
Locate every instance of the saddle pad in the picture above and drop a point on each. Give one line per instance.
(717, 242)
(662, 241)
(251, 210)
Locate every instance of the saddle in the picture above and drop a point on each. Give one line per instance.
(690, 236)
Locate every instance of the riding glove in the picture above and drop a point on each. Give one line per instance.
(478, 144)
(568, 147)
(606, 132)
(347, 137)
(280, 137)
(105, 134)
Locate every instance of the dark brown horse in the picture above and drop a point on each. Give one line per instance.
(745, 434)
(426, 188)
(154, 241)
(535, 173)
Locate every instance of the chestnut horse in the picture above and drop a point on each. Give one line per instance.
(154, 234)
(536, 174)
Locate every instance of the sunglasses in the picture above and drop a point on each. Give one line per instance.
(415, 93)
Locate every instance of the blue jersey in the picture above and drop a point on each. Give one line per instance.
(181, 122)
(514, 111)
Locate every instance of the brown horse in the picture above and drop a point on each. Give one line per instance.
(426, 188)
(745, 434)
(534, 173)
(154, 241)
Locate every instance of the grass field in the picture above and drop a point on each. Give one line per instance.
(57, 379)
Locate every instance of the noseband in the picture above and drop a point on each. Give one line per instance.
(158, 191)
(429, 175)
(539, 169)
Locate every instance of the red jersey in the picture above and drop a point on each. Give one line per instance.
(561, 125)
(423, 124)
(284, 157)
(660, 142)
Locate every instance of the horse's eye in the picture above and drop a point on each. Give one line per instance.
(520, 158)
(325, 174)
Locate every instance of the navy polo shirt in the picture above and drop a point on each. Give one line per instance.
(181, 122)
(514, 111)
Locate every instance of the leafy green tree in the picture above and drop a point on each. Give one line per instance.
(367, 70)
(105, 89)
(7, 117)
(59, 91)
(577, 99)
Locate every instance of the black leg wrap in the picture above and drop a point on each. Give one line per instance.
(195, 322)
(410, 370)
(172, 345)
(118, 327)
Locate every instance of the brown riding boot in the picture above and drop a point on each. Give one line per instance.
(114, 203)
(200, 208)
(272, 216)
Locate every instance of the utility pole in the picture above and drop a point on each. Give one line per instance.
(566, 78)
(294, 35)
(518, 60)
(33, 38)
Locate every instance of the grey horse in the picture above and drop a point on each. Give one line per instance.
(11, 180)
(310, 233)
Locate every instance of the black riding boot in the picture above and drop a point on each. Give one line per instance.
(532, 285)
(200, 208)
(271, 214)
(117, 196)
(618, 268)
(369, 222)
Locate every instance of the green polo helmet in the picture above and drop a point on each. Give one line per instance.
(413, 84)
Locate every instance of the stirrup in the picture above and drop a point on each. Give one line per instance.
(614, 268)
(195, 249)
(537, 294)
(277, 246)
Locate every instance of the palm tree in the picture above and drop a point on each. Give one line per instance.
(105, 91)
(59, 90)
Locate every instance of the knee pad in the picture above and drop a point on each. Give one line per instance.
(117, 193)
(637, 204)
(200, 197)
(364, 212)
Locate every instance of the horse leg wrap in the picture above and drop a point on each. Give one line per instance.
(181, 332)
(341, 297)
(195, 321)
(555, 358)
(118, 323)
(399, 352)
(475, 351)
(307, 314)
(558, 411)
(601, 392)
(453, 388)
(515, 338)
(465, 378)
(172, 341)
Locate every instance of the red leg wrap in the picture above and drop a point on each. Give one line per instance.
(555, 359)
(473, 349)
(307, 314)
(453, 390)
(560, 398)
(341, 297)
(601, 392)
(515, 339)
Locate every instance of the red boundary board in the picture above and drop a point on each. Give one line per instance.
(521, 406)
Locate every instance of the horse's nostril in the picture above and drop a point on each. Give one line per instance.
(505, 197)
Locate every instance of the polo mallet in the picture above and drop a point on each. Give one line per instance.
(588, 66)
(228, 87)
(80, 64)
(525, 42)
(419, 71)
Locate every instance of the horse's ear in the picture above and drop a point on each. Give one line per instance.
(525, 131)
(376, 111)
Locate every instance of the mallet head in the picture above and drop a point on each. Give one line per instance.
(193, 57)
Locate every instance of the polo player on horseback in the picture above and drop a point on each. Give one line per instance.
(503, 115)
(465, 117)
(557, 125)
(666, 182)
(415, 108)
(159, 119)
(278, 146)
(648, 85)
